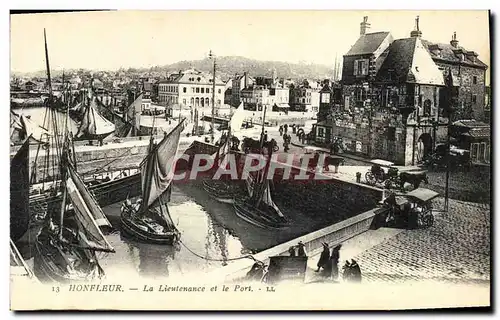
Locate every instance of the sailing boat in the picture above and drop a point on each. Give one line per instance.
(149, 219)
(65, 249)
(94, 125)
(221, 190)
(259, 208)
(19, 192)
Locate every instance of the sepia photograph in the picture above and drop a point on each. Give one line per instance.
(250, 160)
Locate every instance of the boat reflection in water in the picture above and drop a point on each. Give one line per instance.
(153, 260)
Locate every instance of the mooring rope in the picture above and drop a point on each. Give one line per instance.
(248, 256)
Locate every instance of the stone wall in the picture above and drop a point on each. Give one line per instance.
(467, 89)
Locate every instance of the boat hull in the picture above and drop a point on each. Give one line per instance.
(47, 259)
(258, 217)
(219, 195)
(131, 229)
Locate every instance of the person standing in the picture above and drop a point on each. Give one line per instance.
(285, 128)
(355, 271)
(324, 257)
(291, 251)
(281, 130)
(334, 258)
(302, 249)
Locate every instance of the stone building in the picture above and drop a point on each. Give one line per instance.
(191, 89)
(394, 95)
(304, 97)
(239, 83)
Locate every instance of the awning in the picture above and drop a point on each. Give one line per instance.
(423, 194)
(382, 162)
(478, 133)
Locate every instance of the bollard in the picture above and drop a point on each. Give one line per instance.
(358, 177)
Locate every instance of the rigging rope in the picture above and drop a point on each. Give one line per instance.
(248, 256)
(107, 164)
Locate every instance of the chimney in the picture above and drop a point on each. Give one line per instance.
(245, 79)
(364, 26)
(454, 41)
(416, 33)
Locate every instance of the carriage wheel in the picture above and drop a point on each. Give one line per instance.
(370, 178)
(429, 220)
(276, 148)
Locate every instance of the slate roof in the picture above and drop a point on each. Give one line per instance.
(447, 54)
(367, 43)
(409, 61)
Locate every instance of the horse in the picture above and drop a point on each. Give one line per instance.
(413, 178)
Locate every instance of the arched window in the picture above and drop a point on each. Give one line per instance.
(197, 102)
(220, 91)
(207, 102)
(202, 102)
(218, 102)
(184, 90)
(192, 101)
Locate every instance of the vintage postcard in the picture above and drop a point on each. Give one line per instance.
(250, 160)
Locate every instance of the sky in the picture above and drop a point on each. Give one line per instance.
(114, 39)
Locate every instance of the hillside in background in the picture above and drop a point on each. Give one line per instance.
(226, 68)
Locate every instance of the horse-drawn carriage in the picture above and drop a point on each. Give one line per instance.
(413, 210)
(377, 174)
(393, 177)
(252, 145)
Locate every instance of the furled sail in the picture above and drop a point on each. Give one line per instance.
(237, 119)
(157, 168)
(27, 127)
(19, 192)
(133, 113)
(93, 123)
(95, 209)
(267, 198)
(89, 234)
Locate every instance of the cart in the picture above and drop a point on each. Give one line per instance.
(378, 175)
(413, 210)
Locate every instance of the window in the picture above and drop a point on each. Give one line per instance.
(184, 90)
(192, 101)
(192, 89)
(427, 108)
(202, 90)
(321, 132)
(361, 67)
(184, 100)
(197, 90)
(207, 102)
(219, 91)
(218, 101)
(197, 102)
(474, 80)
(325, 98)
(474, 98)
(208, 90)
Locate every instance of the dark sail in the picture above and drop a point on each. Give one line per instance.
(19, 192)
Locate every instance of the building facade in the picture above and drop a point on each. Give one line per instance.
(190, 88)
(304, 97)
(239, 83)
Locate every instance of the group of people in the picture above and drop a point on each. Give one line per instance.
(301, 250)
(329, 262)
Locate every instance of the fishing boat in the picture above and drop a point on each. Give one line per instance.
(66, 246)
(94, 125)
(149, 219)
(19, 192)
(259, 208)
(224, 190)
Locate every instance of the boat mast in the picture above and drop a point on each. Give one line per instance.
(212, 56)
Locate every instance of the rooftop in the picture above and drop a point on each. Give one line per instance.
(367, 43)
